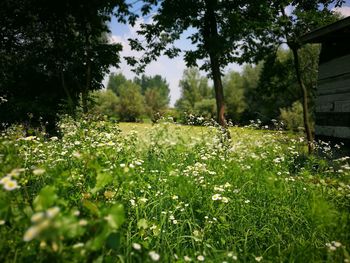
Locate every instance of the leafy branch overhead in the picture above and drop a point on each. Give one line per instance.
(239, 26)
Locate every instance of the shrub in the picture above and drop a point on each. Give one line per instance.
(292, 117)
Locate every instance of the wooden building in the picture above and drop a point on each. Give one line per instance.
(332, 114)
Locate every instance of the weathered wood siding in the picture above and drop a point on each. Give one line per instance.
(333, 97)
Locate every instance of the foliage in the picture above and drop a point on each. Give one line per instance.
(131, 105)
(288, 28)
(220, 32)
(235, 100)
(115, 81)
(278, 86)
(53, 54)
(194, 89)
(154, 82)
(142, 193)
(205, 108)
(154, 90)
(293, 117)
(157, 94)
(106, 104)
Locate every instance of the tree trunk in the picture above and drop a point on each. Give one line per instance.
(211, 37)
(306, 117)
(69, 97)
(219, 91)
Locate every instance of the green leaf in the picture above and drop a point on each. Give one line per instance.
(91, 207)
(102, 180)
(115, 216)
(113, 241)
(46, 198)
(142, 223)
(98, 241)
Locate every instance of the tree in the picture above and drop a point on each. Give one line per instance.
(219, 29)
(278, 86)
(52, 53)
(155, 82)
(131, 102)
(115, 81)
(157, 94)
(194, 88)
(234, 95)
(288, 28)
(106, 103)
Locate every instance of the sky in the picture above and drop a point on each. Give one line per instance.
(170, 69)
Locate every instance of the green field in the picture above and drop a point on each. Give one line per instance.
(169, 193)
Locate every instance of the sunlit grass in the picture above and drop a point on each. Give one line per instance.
(170, 193)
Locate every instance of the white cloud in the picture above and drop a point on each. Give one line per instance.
(344, 10)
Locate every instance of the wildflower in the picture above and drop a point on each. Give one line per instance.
(154, 255)
(200, 258)
(43, 244)
(78, 245)
(187, 258)
(216, 197)
(38, 171)
(224, 200)
(136, 246)
(175, 197)
(336, 244)
(247, 201)
(31, 233)
(83, 222)
(29, 138)
(76, 155)
(16, 172)
(37, 217)
(258, 258)
(227, 185)
(5, 179)
(54, 246)
(76, 213)
(175, 222)
(2, 222)
(110, 143)
(10, 185)
(109, 194)
(52, 212)
(143, 200)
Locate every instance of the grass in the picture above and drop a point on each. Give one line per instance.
(170, 193)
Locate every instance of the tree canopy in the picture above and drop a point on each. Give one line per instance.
(53, 53)
(221, 30)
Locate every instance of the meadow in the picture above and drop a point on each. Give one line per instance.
(107, 192)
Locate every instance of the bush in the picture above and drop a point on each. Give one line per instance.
(206, 108)
(292, 117)
(106, 103)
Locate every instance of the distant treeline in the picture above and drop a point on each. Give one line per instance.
(265, 91)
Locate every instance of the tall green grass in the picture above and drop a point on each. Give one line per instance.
(169, 193)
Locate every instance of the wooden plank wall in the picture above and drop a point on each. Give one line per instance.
(333, 99)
